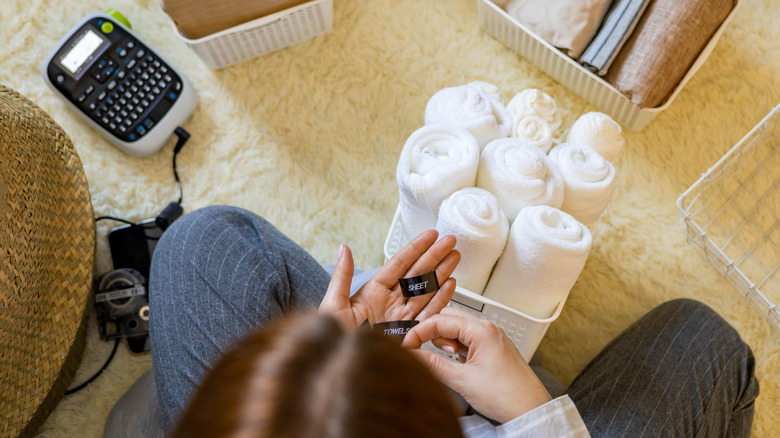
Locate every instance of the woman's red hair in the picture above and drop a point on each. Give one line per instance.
(303, 376)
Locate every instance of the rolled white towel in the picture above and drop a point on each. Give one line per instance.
(537, 103)
(436, 161)
(532, 129)
(598, 131)
(589, 181)
(543, 258)
(519, 175)
(471, 108)
(473, 216)
(487, 88)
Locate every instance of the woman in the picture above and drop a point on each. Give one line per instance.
(220, 273)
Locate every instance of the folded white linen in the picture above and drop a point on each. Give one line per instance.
(598, 131)
(532, 129)
(519, 175)
(487, 88)
(589, 180)
(535, 102)
(436, 161)
(567, 24)
(542, 260)
(471, 108)
(473, 216)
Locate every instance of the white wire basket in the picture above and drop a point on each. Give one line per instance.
(574, 76)
(731, 216)
(263, 35)
(525, 331)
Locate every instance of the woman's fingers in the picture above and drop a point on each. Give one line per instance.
(450, 346)
(338, 289)
(442, 326)
(434, 259)
(433, 305)
(422, 255)
(430, 304)
(447, 266)
(400, 263)
(444, 369)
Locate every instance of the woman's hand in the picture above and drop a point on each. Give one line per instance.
(494, 378)
(380, 299)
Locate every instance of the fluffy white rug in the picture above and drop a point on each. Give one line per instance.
(309, 137)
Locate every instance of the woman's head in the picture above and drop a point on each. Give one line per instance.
(303, 376)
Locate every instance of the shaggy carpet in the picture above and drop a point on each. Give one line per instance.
(309, 137)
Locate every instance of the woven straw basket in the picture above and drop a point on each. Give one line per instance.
(47, 250)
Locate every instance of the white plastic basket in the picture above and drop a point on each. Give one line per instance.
(263, 35)
(731, 216)
(526, 332)
(577, 78)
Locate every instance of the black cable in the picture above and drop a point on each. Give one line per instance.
(183, 137)
(174, 209)
(124, 221)
(95, 376)
(170, 214)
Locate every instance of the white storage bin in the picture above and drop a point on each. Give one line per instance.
(575, 77)
(731, 216)
(263, 35)
(526, 332)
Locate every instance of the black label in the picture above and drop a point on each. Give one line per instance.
(420, 285)
(395, 329)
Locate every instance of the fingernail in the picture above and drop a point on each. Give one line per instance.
(448, 349)
(341, 252)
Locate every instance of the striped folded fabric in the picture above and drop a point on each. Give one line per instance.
(618, 26)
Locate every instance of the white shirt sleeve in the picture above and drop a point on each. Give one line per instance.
(557, 418)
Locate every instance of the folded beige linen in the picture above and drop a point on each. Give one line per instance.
(199, 18)
(566, 24)
(664, 45)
